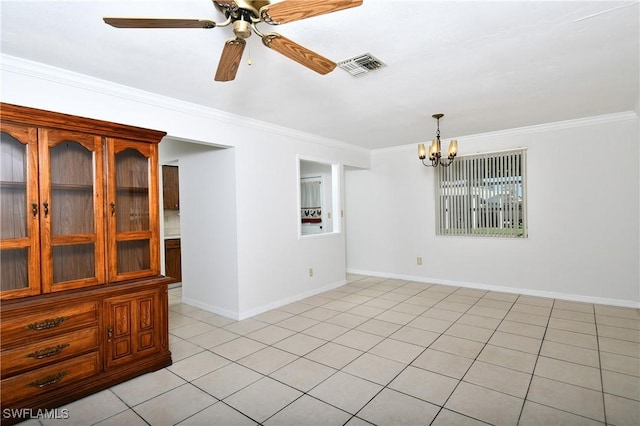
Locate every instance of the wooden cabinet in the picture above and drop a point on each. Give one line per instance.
(83, 303)
(170, 188)
(132, 330)
(57, 180)
(173, 259)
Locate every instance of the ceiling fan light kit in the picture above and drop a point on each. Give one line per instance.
(245, 15)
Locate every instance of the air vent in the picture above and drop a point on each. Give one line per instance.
(361, 64)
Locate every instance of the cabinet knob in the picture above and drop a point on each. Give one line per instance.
(34, 209)
(113, 208)
(46, 208)
(109, 333)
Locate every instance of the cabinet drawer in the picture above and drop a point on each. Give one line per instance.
(47, 378)
(21, 325)
(39, 353)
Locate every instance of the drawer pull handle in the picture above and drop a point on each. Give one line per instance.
(49, 380)
(47, 352)
(46, 324)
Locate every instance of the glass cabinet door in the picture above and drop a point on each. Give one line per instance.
(19, 212)
(133, 210)
(72, 216)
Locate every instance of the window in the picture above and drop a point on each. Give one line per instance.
(483, 195)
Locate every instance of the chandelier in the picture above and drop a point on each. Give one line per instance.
(434, 149)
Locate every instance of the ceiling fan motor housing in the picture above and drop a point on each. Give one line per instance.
(242, 29)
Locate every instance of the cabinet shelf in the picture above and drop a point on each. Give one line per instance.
(132, 189)
(6, 184)
(71, 187)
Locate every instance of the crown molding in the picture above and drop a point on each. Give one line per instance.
(527, 130)
(37, 70)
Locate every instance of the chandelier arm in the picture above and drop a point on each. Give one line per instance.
(429, 165)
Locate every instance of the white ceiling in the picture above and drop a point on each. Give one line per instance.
(486, 65)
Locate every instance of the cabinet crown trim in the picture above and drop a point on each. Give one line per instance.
(56, 120)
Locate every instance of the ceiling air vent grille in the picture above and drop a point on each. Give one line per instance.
(361, 64)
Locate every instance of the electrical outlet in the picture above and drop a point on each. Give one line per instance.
(419, 260)
(310, 272)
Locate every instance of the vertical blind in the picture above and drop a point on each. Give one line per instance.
(483, 195)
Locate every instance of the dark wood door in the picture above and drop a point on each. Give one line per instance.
(173, 259)
(170, 188)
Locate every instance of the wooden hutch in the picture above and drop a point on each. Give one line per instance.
(82, 303)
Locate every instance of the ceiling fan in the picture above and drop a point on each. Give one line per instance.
(244, 15)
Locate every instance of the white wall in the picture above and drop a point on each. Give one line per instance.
(272, 262)
(583, 197)
(209, 232)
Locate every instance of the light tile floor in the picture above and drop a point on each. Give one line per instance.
(389, 352)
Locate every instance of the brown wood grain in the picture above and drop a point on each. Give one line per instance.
(230, 60)
(53, 120)
(20, 268)
(159, 23)
(294, 10)
(170, 188)
(173, 259)
(298, 53)
(56, 271)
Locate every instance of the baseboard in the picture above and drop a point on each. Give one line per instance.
(239, 316)
(211, 308)
(516, 290)
(292, 299)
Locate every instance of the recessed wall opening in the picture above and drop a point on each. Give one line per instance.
(318, 197)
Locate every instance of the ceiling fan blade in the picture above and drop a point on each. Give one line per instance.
(230, 59)
(159, 23)
(298, 53)
(294, 10)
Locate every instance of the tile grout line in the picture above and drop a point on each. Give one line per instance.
(604, 405)
(390, 308)
(535, 365)
(474, 360)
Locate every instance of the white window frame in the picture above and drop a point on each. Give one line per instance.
(483, 195)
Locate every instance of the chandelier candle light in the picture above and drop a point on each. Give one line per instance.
(434, 149)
